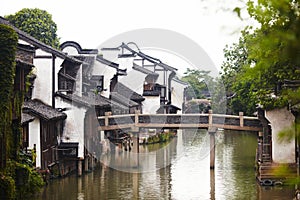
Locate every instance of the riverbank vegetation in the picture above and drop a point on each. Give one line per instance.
(159, 137)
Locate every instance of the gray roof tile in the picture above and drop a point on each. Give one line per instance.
(38, 108)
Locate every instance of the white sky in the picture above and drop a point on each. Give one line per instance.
(91, 22)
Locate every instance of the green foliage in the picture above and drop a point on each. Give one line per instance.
(204, 86)
(197, 79)
(7, 187)
(8, 45)
(265, 57)
(160, 138)
(37, 23)
(288, 134)
(16, 179)
(27, 180)
(274, 47)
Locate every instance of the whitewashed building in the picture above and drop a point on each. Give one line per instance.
(152, 78)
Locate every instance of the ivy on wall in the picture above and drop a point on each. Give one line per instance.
(8, 46)
(17, 179)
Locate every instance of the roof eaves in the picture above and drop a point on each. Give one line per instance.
(26, 118)
(37, 108)
(149, 58)
(143, 70)
(107, 62)
(123, 100)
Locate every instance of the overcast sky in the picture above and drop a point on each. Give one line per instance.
(210, 23)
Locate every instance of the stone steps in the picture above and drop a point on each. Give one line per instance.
(269, 173)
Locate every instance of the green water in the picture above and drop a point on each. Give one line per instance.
(185, 176)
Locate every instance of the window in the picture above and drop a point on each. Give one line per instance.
(97, 83)
(65, 81)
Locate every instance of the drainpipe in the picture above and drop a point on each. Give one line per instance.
(171, 76)
(53, 81)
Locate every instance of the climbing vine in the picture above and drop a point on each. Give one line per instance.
(17, 178)
(8, 45)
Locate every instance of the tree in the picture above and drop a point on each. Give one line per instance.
(265, 58)
(203, 86)
(237, 87)
(37, 23)
(274, 48)
(198, 83)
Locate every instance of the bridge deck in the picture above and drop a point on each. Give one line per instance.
(179, 121)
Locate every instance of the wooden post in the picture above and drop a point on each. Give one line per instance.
(136, 117)
(106, 118)
(93, 160)
(86, 164)
(135, 128)
(79, 167)
(241, 114)
(136, 146)
(212, 132)
(210, 120)
(212, 184)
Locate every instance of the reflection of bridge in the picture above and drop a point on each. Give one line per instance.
(179, 121)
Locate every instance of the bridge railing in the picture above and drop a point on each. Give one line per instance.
(177, 120)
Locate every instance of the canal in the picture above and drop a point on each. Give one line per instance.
(180, 172)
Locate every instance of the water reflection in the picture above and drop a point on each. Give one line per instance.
(188, 176)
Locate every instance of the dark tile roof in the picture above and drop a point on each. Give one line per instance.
(38, 108)
(128, 93)
(90, 100)
(26, 47)
(169, 107)
(118, 106)
(89, 60)
(24, 64)
(26, 118)
(149, 58)
(144, 70)
(122, 100)
(107, 62)
(95, 100)
(31, 40)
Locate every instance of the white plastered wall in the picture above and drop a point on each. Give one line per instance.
(35, 139)
(70, 50)
(108, 72)
(280, 119)
(151, 104)
(134, 80)
(177, 94)
(43, 70)
(74, 124)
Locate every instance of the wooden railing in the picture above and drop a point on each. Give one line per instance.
(179, 121)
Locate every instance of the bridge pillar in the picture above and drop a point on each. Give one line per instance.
(86, 163)
(79, 167)
(136, 145)
(212, 132)
(135, 140)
